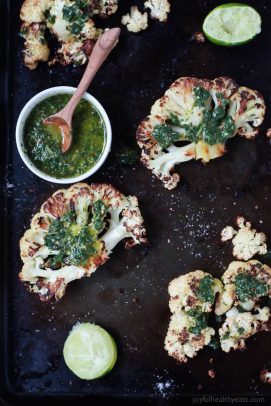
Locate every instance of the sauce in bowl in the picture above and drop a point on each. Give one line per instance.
(42, 143)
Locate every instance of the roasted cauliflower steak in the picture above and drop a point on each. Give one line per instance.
(70, 22)
(192, 297)
(74, 233)
(193, 120)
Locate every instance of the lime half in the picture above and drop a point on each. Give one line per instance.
(89, 351)
(232, 24)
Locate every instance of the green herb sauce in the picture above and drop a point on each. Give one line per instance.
(75, 15)
(205, 289)
(165, 135)
(200, 321)
(240, 330)
(215, 127)
(248, 287)
(42, 143)
(75, 243)
(226, 335)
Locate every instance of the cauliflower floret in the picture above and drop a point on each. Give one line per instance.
(238, 327)
(74, 233)
(35, 47)
(186, 336)
(135, 21)
(75, 38)
(105, 7)
(196, 289)
(247, 109)
(228, 233)
(246, 241)
(32, 11)
(265, 376)
(159, 9)
(244, 284)
(199, 116)
(70, 22)
(192, 298)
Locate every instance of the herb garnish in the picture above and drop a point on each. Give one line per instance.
(75, 243)
(215, 127)
(200, 320)
(205, 289)
(249, 287)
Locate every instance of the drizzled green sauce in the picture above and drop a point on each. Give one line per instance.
(42, 143)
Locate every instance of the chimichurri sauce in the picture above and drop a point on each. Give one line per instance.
(43, 142)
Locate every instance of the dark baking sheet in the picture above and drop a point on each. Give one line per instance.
(128, 295)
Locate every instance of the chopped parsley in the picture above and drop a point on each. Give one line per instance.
(191, 131)
(165, 135)
(99, 211)
(215, 127)
(249, 287)
(49, 17)
(82, 3)
(200, 321)
(76, 28)
(75, 243)
(205, 289)
(240, 330)
(201, 96)
(75, 16)
(226, 335)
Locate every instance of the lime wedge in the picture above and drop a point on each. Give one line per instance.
(89, 351)
(232, 24)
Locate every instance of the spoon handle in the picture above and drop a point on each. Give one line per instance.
(100, 52)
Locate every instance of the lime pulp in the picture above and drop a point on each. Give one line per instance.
(90, 351)
(232, 24)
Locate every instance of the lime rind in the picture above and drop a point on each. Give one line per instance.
(90, 352)
(232, 24)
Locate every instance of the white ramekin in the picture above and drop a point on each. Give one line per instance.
(20, 133)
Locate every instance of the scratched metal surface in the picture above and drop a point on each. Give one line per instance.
(128, 295)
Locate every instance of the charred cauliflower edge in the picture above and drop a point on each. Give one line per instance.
(243, 106)
(70, 21)
(101, 211)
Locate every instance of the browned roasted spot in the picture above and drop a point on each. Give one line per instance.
(32, 250)
(194, 285)
(42, 223)
(198, 339)
(191, 300)
(175, 297)
(183, 335)
(55, 205)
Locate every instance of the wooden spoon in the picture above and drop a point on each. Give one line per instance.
(63, 119)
